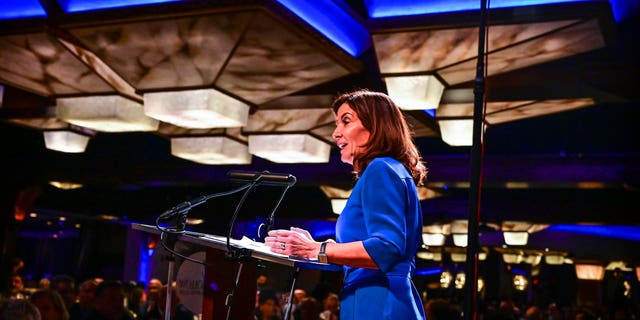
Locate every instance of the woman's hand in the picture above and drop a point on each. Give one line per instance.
(293, 242)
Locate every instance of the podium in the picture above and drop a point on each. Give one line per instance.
(237, 277)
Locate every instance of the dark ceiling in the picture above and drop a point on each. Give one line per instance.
(568, 167)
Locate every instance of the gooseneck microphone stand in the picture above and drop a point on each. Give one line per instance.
(169, 235)
(242, 255)
(471, 285)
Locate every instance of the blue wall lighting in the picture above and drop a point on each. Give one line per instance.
(619, 232)
(15, 9)
(89, 5)
(394, 8)
(428, 272)
(333, 22)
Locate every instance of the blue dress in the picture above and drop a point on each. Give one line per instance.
(384, 213)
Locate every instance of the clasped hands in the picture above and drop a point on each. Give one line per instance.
(293, 242)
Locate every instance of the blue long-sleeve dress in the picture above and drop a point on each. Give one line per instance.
(384, 213)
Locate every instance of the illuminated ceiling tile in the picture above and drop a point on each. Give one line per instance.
(335, 193)
(105, 113)
(589, 272)
(99, 67)
(456, 119)
(563, 42)
(51, 123)
(65, 141)
(457, 132)
(433, 49)
(536, 109)
(288, 120)
(201, 109)
(65, 185)
(271, 61)
(289, 148)
(155, 55)
(415, 92)
(337, 205)
(515, 238)
(554, 258)
(43, 66)
(211, 150)
(319, 121)
(433, 239)
(311, 101)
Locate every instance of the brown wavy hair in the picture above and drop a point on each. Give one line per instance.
(389, 133)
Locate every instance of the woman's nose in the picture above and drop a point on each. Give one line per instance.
(336, 134)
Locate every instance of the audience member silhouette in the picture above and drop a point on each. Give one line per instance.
(50, 305)
(268, 307)
(109, 302)
(86, 295)
(65, 285)
(178, 310)
(18, 309)
(441, 309)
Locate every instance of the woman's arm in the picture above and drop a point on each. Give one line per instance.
(298, 242)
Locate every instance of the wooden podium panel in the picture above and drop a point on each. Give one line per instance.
(220, 277)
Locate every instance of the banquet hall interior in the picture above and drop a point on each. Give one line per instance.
(113, 112)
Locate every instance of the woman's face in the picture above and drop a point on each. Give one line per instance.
(350, 134)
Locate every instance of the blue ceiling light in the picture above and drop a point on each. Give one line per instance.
(333, 22)
(428, 272)
(321, 229)
(620, 232)
(394, 8)
(89, 5)
(15, 9)
(624, 8)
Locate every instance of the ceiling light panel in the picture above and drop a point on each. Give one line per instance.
(289, 148)
(199, 109)
(431, 49)
(415, 92)
(167, 53)
(271, 61)
(536, 109)
(36, 63)
(288, 120)
(211, 150)
(105, 113)
(65, 141)
(563, 42)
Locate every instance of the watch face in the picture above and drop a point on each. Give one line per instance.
(322, 258)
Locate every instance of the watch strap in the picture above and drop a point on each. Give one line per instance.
(322, 254)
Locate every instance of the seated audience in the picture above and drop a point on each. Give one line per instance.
(178, 310)
(18, 309)
(268, 307)
(109, 302)
(50, 305)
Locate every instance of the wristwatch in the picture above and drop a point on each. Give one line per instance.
(322, 255)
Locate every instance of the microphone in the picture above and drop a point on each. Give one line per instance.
(183, 207)
(264, 177)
